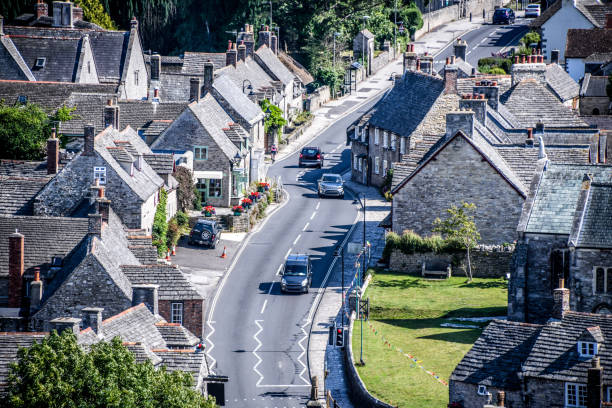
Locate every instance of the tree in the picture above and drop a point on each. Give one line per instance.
(185, 193)
(23, 132)
(460, 226)
(94, 13)
(160, 224)
(274, 121)
(58, 373)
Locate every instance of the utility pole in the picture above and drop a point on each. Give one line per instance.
(395, 27)
(362, 278)
(271, 15)
(365, 18)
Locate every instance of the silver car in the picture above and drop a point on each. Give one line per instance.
(532, 10)
(331, 185)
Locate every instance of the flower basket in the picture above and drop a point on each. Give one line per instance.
(238, 209)
(255, 195)
(246, 203)
(261, 187)
(209, 211)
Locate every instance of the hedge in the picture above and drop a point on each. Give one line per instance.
(410, 242)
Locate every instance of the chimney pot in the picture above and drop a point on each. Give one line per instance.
(156, 93)
(242, 51)
(516, 59)
(501, 399)
(529, 133)
(134, 23)
(36, 290)
(16, 269)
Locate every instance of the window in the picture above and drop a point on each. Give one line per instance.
(356, 136)
(200, 153)
(377, 165)
(360, 161)
(560, 267)
(40, 62)
(393, 142)
(602, 280)
(575, 395)
(376, 138)
(385, 141)
(214, 187)
(136, 77)
(402, 145)
(608, 394)
(22, 99)
(100, 174)
(177, 313)
(384, 169)
(355, 164)
(363, 135)
(587, 348)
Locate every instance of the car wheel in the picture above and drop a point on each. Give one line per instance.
(342, 197)
(319, 194)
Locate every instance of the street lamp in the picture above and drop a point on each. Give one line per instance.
(270, 13)
(395, 27)
(365, 19)
(249, 87)
(363, 268)
(339, 252)
(336, 34)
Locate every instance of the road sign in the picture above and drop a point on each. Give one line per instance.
(401, 28)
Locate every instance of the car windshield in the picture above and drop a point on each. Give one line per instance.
(295, 270)
(331, 179)
(202, 227)
(533, 6)
(309, 152)
(500, 12)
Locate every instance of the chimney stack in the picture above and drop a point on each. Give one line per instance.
(52, 153)
(410, 59)
(134, 23)
(89, 136)
(561, 299)
(1, 25)
(460, 121)
(147, 294)
(103, 205)
(194, 89)
(274, 44)
(460, 48)
(36, 290)
(41, 9)
(16, 269)
(490, 89)
(242, 51)
(265, 37)
(155, 66)
(231, 55)
(595, 383)
(95, 225)
(111, 115)
(450, 79)
(608, 21)
(476, 103)
(535, 68)
(427, 64)
(208, 76)
(71, 324)
(63, 14)
(554, 57)
(92, 317)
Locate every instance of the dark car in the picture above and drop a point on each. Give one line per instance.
(205, 232)
(331, 185)
(297, 274)
(503, 16)
(311, 156)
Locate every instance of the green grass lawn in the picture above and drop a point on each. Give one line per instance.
(408, 311)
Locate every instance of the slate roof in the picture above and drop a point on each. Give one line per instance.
(561, 83)
(14, 67)
(554, 355)
(295, 67)
(584, 42)
(251, 70)
(250, 112)
(557, 194)
(594, 86)
(20, 181)
(546, 14)
(44, 238)
(531, 102)
(603, 122)
(152, 130)
(160, 162)
(193, 62)
(136, 324)
(265, 56)
(592, 10)
(142, 353)
(177, 336)
(466, 85)
(403, 108)
(496, 357)
(173, 285)
(10, 343)
(185, 360)
(596, 226)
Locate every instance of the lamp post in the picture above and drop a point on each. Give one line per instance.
(340, 252)
(336, 34)
(365, 19)
(270, 13)
(395, 27)
(363, 269)
(249, 87)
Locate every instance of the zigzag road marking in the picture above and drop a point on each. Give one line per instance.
(259, 360)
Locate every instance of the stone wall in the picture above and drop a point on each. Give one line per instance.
(297, 132)
(545, 393)
(388, 154)
(467, 394)
(485, 264)
(317, 99)
(238, 223)
(589, 103)
(583, 297)
(193, 314)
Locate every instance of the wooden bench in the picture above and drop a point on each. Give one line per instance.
(436, 269)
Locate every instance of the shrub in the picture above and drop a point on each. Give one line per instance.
(181, 218)
(160, 225)
(410, 242)
(530, 38)
(174, 233)
(497, 71)
(186, 191)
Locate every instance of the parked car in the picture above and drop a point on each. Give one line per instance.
(331, 184)
(311, 156)
(503, 16)
(296, 274)
(532, 10)
(205, 232)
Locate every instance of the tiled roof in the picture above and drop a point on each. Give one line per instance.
(555, 356)
(584, 42)
(561, 83)
(177, 336)
(408, 103)
(13, 65)
(10, 343)
(531, 102)
(193, 62)
(172, 283)
(248, 69)
(142, 353)
(546, 14)
(250, 112)
(45, 237)
(594, 86)
(136, 324)
(296, 68)
(160, 162)
(265, 56)
(557, 196)
(596, 226)
(187, 361)
(496, 357)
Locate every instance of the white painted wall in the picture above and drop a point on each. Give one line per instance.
(147, 213)
(575, 68)
(554, 31)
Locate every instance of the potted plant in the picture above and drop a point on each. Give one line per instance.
(209, 211)
(246, 203)
(261, 187)
(254, 195)
(237, 209)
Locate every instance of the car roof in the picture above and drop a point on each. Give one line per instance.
(310, 147)
(206, 222)
(297, 258)
(533, 5)
(332, 174)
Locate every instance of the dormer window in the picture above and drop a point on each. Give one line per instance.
(22, 99)
(40, 62)
(100, 175)
(587, 349)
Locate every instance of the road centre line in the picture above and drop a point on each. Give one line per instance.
(264, 305)
(297, 239)
(279, 269)
(271, 286)
(306, 226)
(313, 215)
(288, 252)
(318, 205)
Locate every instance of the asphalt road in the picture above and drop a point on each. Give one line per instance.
(487, 40)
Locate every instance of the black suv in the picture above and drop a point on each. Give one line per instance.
(297, 274)
(311, 156)
(503, 16)
(205, 232)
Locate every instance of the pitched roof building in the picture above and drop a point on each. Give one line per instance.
(587, 47)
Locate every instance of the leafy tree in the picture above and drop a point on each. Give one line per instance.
(23, 131)
(63, 114)
(460, 226)
(59, 373)
(185, 192)
(274, 121)
(94, 13)
(530, 38)
(160, 224)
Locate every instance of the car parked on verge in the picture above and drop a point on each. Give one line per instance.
(532, 10)
(296, 274)
(205, 232)
(311, 156)
(331, 184)
(503, 16)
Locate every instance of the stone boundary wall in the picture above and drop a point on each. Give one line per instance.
(379, 62)
(317, 99)
(485, 263)
(359, 392)
(296, 133)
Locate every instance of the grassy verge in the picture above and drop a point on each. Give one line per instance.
(408, 311)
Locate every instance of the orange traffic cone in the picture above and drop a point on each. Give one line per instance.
(224, 254)
(168, 256)
(173, 250)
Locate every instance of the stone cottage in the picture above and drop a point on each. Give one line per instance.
(594, 99)
(584, 43)
(563, 234)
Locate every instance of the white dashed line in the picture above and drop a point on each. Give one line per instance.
(306, 226)
(288, 252)
(263, 307)
(271, 286)
(318, 205)
(279, 269)
(297, 239)
(313, 215)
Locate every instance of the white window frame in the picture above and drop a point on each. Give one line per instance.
(363, 135)
(201, 148)
(377, 165)
(355, 163)
(99, 173)
(176, 312)
(575, 400)
(608, 394)
(356, 135)
(587, 348)
(385, 140)
(393, 141)
(606, 271)
(360, 164)
(384, 167)
(376, 137)
(402, 145)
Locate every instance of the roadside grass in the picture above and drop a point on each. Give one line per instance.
(408, 311)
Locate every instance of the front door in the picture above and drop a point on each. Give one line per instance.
(209, 188)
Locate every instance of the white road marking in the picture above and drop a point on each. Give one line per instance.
(313, 215)
(340, 146)
(263, 307)
(297, 239)
(318, 205)
(259, 360)
(306, 226)
(279, 269)
(288, 252)
(271, 286)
